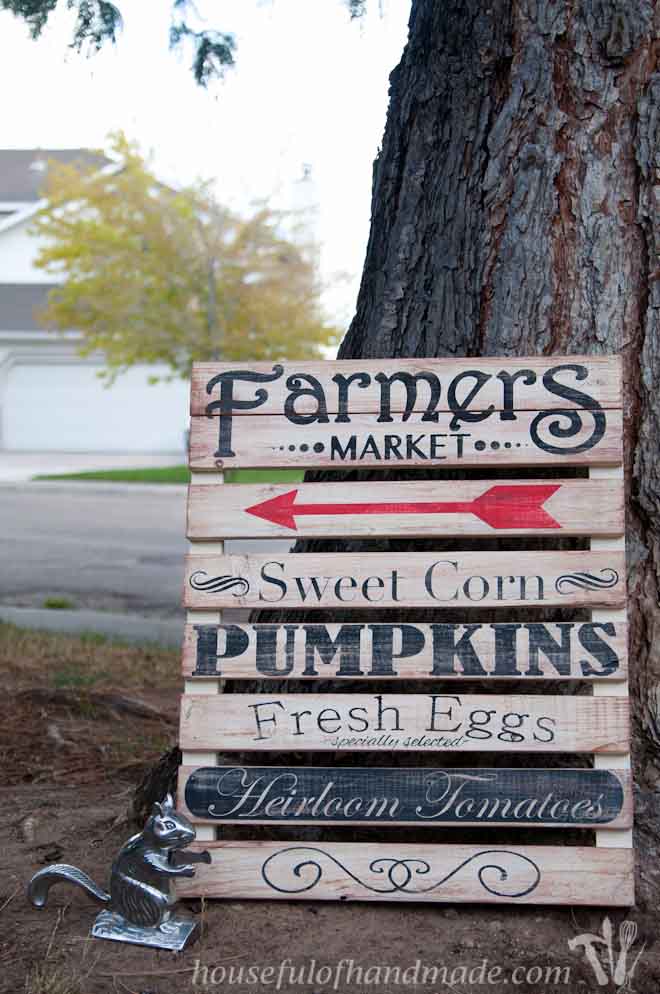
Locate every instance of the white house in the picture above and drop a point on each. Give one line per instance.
(50, 398)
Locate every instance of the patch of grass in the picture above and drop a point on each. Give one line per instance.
(153, 474)
(181, 474)
(58, 604)
(74, 676)
(93, 638)
(31, 658)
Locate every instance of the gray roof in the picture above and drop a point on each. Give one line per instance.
(19, 304)
(23, 170)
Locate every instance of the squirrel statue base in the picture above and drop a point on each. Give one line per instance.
(139, 903)
(174, 934)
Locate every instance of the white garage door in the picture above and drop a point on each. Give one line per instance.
(64, 407)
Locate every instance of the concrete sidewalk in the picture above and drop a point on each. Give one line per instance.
(19, 467)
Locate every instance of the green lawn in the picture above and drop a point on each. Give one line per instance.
(181, 474)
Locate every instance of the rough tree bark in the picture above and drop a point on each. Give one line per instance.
(516, 211)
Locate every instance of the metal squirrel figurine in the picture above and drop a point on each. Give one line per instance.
(139, 903)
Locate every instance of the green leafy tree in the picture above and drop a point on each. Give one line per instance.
(152, 274)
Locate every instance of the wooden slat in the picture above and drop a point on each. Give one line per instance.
(566, 651)
(404, 722)
(404, 872)
(624, 838)
(455, 579)
(601, 383)
(417, 796)
(257, 441)
(476, 507)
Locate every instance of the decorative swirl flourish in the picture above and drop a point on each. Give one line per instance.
(586, 581)
(217, 584)
(399, 873)
(569, 430)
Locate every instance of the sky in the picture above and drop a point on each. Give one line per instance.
(310, 87)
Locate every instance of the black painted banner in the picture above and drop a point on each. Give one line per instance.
(422, 796)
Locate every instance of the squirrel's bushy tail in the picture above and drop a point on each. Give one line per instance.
(61, 873)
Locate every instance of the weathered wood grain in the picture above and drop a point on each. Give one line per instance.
(565, 651)
(404, 722)
(476, 383)
(475, 507)
(334, 795)
(584, 438)
(461, 579)
(406, 872)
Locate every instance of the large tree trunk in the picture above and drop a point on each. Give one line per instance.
(516, 211)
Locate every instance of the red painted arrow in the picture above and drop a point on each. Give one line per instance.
(499, 507)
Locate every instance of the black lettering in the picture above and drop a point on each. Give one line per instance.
(372, 581)
(341, 583)
(346, 642)
(381, 712)
(272, 579)
(370, 448)
(206, 661)
(267, 652)
(325, 715)
(480, 718)
(343, 383)
(298, 715)
(459, 443)
(412, 643)
(436, 444)
(445, 647)
(550, 731)
(557, 653)
(483, 588)
(572, 421)
(593, 643)
(508, 381)
(352, 714)
(313, 584)
(444, 714)
(410, 382)
(393, 446)
(577, 397)
(506, 653)
(510, 722)
(228, 403)
(460, 409)
(348, 452)
(264, 721)
(428, 580)
(296, 385)
(539, 588)
(411, 447)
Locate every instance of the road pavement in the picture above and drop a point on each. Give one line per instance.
(108, 547)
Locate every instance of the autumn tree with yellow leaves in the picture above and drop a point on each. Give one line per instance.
(156, 275)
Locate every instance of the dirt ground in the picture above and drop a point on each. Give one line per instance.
(80, 722)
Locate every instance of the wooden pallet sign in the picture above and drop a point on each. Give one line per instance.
(516, 414)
